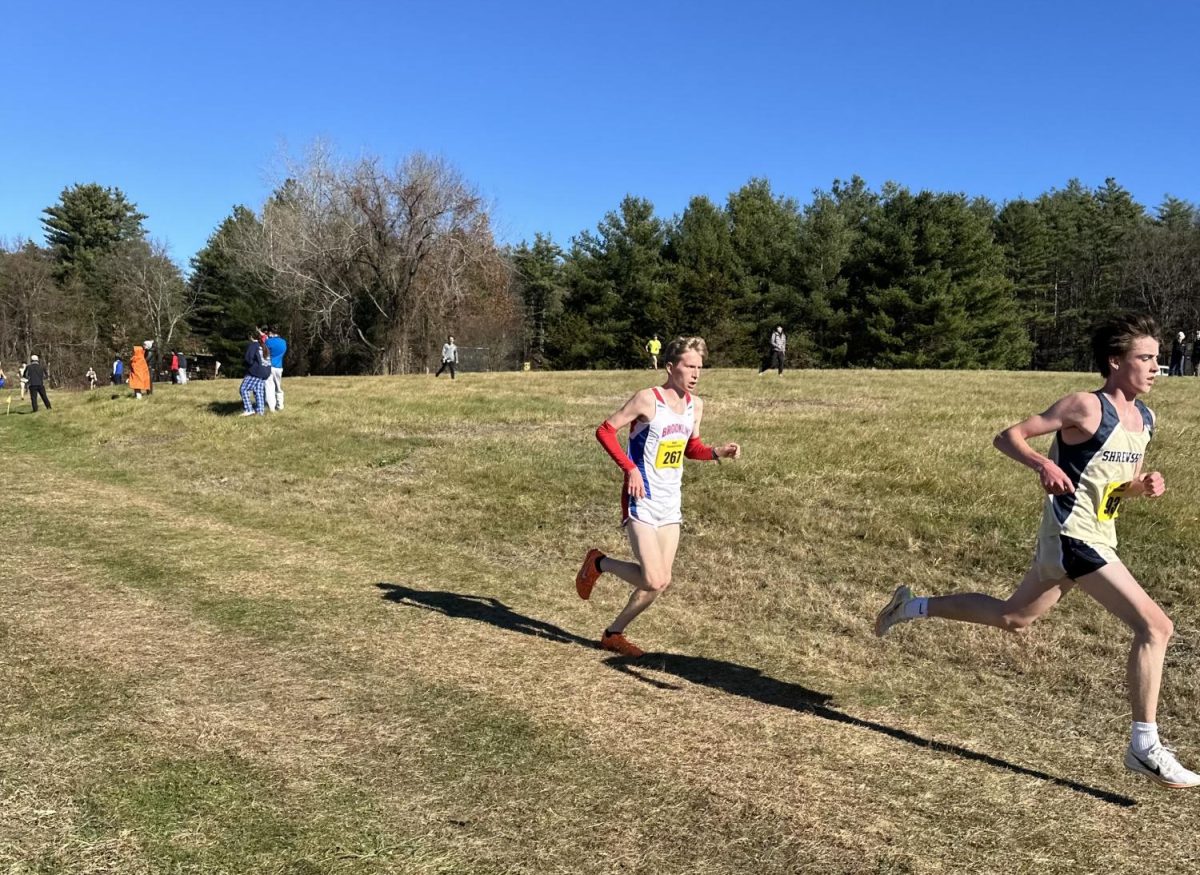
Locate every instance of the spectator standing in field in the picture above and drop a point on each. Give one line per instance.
(24, 379)
(139, 372)
(216, 370)
(183, 366)
(1196, 355)
(35, 376)
(258, 371)
(173, 367)
(3, 379)
(1177, 355)
(449, 357)
(776, 351)
(118, 371)
(152, 364)
(90, 376)
(276, 349)
(654, 347)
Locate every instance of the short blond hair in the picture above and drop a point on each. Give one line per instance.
(677, 347)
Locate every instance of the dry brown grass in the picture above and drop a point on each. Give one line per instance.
(344, 639)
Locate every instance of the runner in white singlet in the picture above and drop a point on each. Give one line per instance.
(656, 447)
(664, 430)
(1095, 464)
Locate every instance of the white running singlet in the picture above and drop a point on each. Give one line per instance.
(656, 448)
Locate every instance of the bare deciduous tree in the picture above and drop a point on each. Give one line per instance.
(384, 259)
(148, 287)
(27, 295)
(1161, 275)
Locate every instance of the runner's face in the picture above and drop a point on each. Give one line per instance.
(1137, 368)
(685, 373)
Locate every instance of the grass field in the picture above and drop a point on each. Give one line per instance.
(345, 638)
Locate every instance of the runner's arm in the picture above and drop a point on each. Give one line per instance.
(1071, 411)
(638, 407)
(697, 449)
(1149, 485)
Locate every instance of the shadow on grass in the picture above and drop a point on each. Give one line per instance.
(750, 683)
(485, 609)
(225, 408)
(729, 677)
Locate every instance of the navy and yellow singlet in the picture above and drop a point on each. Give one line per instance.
(1078, 534)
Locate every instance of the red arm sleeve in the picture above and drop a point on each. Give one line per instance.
(607, 435)
(697, 449)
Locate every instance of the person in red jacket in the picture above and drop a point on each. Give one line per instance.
(664, 429)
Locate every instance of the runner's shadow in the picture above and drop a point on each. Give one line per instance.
(485, 609)
(729, 677)
(225, 408)
(740, 680)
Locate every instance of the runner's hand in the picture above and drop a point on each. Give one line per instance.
(1054, 479)
(729, 451)
(634, 485)
(1152, 484)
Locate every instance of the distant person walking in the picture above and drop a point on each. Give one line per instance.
(90, 376)
(1196, 355)
(276, 349)
(654, 347)
(118, 371)
(258, 371)
(776, 351)
(1177, 355)
(35, 376)
(449, 357)
(139, 372)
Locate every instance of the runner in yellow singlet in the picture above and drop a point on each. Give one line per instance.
(1095, 464)
(654, 347)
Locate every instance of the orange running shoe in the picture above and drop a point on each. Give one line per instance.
(588, 574)
(618, 643)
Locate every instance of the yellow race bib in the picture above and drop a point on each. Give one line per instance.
(1110, 502)
(670, 454)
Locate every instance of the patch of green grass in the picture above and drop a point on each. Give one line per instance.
(261, 617)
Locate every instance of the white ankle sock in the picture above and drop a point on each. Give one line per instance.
(1145, 736)
(916, 609)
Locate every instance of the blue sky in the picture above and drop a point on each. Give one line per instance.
(557, 110)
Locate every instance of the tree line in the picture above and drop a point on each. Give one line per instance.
(365, 267)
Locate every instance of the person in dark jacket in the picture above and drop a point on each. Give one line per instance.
(1177, 354)
(36, 376)
(258, 370)
(1196, 355)
(152, 363)
(776, 351)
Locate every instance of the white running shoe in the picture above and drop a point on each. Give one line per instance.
(1159, 764)
(893, 611)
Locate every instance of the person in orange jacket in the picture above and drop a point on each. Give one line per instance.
(139, 372)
